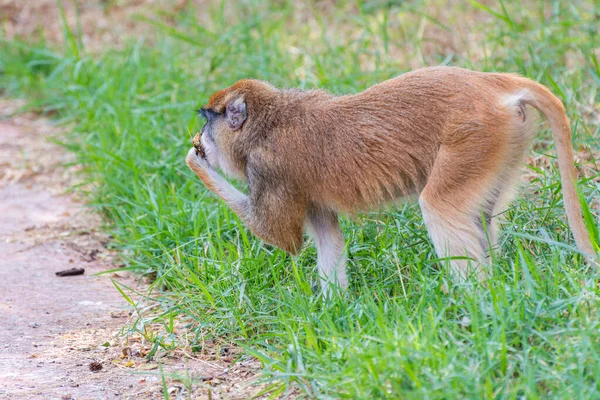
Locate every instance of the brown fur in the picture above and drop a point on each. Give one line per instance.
(453, 137)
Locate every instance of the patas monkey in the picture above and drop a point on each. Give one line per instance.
(453, 137)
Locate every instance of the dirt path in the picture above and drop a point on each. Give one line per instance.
(54, 329)
(40, 311)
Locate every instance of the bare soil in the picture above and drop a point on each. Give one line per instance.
(61, 336)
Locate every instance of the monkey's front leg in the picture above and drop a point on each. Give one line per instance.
(235, 199)
(270, 213)
(325, 229)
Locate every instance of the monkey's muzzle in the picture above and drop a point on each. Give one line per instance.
(198, 146)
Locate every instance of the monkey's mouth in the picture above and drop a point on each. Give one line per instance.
(198, 146)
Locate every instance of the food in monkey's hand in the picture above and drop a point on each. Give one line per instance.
(198, 146)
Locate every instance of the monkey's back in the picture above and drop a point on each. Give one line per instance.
(361, 151)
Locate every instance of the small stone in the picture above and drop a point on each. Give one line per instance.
(465, 321)
(95, 366)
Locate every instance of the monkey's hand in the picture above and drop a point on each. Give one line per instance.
(195, 160)
(235, 199)
(200, 166)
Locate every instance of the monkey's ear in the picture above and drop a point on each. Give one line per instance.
(235, 113)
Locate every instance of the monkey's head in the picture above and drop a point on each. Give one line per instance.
(228, 115)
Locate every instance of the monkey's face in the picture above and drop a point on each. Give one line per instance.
(218, 135)
(208, 138)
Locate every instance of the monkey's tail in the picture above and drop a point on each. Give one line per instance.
(548, 104)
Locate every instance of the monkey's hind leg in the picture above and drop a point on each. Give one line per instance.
(457, 235)
(457, 205)
(323, 226)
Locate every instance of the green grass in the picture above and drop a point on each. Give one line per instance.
(403, 330)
